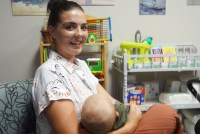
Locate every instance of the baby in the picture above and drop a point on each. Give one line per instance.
(100, 116)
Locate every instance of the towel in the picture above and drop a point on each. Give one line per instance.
(123, 113)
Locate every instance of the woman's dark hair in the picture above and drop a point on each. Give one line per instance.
(55, 7)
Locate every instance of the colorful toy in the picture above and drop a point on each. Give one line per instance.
(91, 38)
(137, 48)
(136, 95)
(95, 65)
(101, 28)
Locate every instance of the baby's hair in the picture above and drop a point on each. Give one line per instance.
(55, 7)
(98, 114)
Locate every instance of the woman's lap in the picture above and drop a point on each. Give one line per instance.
(159, 119)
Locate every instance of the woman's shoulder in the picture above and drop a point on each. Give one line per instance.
(47, 65)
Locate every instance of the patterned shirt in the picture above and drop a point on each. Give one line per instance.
(57, 79)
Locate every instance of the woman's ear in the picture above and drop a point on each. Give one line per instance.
(51, 30)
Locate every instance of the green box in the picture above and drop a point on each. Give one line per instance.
(95, 64)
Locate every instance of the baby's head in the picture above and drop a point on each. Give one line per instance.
(98, 114)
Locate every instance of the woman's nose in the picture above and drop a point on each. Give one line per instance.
(79, 32)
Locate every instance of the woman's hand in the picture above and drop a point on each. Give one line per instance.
(134, 116)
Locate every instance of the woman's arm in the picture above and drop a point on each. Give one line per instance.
(101, 90)
(62, 117)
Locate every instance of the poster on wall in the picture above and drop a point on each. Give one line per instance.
(38, 7)
(95, 2)
(152, 7)
(193, 2)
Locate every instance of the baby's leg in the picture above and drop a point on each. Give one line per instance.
(159, 119)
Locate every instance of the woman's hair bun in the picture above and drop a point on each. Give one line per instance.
(54, 4)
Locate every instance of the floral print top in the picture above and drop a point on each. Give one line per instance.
(57, 79)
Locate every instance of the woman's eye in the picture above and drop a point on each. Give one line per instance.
(70, 27)
(85, 27)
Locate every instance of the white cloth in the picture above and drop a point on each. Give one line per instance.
(57, 79)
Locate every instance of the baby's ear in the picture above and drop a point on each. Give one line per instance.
(117, 113)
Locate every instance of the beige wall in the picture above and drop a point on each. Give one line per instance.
(20, 35)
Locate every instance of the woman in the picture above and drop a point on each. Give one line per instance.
(63, 82)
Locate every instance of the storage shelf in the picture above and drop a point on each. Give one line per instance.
(90, 53)
(159, 69)
(164, 69)
(145, 62)
(149, 103)
(185, 62)
(95, 44)
(101, 80)
(86, 44)
(122, 64)
(46, 44)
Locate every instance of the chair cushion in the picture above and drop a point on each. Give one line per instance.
(17, 115)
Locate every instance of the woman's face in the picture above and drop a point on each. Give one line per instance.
(70, 34)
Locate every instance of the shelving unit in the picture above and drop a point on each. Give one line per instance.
(42, 46)
(97, 50)
(121, 73)
(175, 106)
